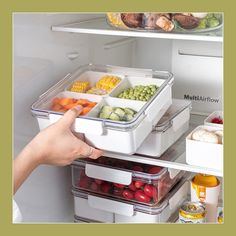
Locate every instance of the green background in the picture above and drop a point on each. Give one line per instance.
(6, 10)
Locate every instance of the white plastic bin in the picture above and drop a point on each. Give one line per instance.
(168, 130)
(109, 135)
(124, 212)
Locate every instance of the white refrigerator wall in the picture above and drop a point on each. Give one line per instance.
(42, 57)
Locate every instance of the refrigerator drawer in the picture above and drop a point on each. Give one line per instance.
(168, 130)
(129, 181)
(124, 212)
(117, 121)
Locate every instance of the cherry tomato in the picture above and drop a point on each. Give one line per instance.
(138, 183)
(137, 168)
(119, 185)
(105, 187)
(142, 197)
(128, 194)
(154, 170)
(85, 182)
(150, 191)
(98, 181)
(94, 186)
(132, 186)
(217, 120)
(117, 191)
(82, 173)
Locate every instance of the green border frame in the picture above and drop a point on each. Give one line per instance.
(6, 10)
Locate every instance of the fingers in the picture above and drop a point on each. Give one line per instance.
(69, 117)
(90, 152)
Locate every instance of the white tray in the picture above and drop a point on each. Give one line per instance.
(122, 137)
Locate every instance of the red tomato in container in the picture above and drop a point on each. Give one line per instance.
(154, 170)
(140, 196)
(94, 186)
(105, 187)
(85, 182)
(138, 168)
(150, 191)
(128, 194)
(117, 191)
(119, 185)
(98, 181)
(132, 186)
(138, 183)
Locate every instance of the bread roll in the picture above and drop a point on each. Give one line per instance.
(203, 135)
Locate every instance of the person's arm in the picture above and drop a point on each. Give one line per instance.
(55, 145)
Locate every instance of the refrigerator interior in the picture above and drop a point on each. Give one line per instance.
(42, 57)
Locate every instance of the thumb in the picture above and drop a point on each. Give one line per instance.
(69, 117)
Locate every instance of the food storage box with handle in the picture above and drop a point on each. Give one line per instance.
(122, 131)
(207, 150)
(120, 179)
(168, 130)
(130, 212)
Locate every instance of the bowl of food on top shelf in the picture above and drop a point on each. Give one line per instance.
(204, 147)
(215, 119)
(181, 22)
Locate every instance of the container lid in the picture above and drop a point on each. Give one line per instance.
(136, 170)
(178, 105)
(155, 209)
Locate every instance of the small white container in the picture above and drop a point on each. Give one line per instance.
(115, 136)
(203, 154)
(168, 130)
(124, 212)
(215, 114)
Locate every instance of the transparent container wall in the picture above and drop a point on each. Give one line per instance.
(124, 180)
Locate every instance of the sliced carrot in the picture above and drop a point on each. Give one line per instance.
(55, 100)
(65, 101)
(86, 110)
(56, 107)
(69, 106)
(92, 104)
(82, 102)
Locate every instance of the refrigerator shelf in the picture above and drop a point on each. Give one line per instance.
(100, 26)
(174, 157)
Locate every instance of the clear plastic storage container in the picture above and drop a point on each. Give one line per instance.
(179, 22)
(94, 207)
(215, 119)
(169, 129)
(126, 131)
(120, 179)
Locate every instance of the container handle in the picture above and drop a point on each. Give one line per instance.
(181, 119)
(108, 174)
(179, 196)
(111, 205)
(85, 126)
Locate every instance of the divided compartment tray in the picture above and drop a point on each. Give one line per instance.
(103, 133)
(93, 77)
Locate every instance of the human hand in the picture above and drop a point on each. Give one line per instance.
(57, 145)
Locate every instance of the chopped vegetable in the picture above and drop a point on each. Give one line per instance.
(64, 104)
(108, 82)
(117, 113)
(139, 92)
(80, 86)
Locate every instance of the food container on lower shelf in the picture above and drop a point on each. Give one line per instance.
(215, 119)
(126, 180)
(112, 122)
(130, 212)
(168, 130)
(204, 147)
